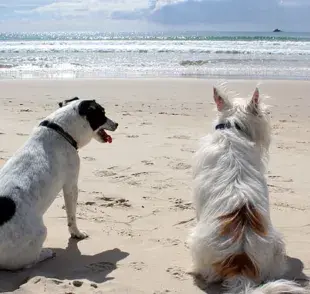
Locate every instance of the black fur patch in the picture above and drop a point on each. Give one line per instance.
(7, 209)
(94, 113)
(63, 103)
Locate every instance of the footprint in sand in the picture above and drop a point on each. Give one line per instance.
(99, 267)
(167, 241)
(88, 158)
(285, 147)
(162, 184)
(189, 150)
(128, 180)
(147, 162)
(280, 179)
(283, 206)
(117, 174)
(179, 165)
(137, 265)
(120, 232)
(278, 189)
(274, 177)
(139, 174)
(118, 168)
(180, 137)
(177, 273)
(180, 204)
(277, 127)
(145, 124)
(113, 202)
(104, 173)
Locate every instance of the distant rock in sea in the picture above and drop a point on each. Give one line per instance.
(277, 31)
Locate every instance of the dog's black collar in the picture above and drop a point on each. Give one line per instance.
(60, 131)
(227, 125)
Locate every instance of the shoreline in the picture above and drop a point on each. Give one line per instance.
(189, 78)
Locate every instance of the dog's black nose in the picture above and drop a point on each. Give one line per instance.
(116, 125)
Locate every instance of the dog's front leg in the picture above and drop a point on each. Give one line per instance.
(71, 195)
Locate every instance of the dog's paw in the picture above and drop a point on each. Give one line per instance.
(79, 235)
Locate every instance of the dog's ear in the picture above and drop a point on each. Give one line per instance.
(86, 106)
(63, 103)
(254, 103)
(255, 97)
(220, 100)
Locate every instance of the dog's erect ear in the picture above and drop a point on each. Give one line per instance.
(254, 103)
(220, 100)
(86, 106)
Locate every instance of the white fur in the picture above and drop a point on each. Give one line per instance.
(228, 172)
(32, 177)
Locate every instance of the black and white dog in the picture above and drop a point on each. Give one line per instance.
(31, 179)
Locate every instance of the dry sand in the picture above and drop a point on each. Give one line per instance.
(135, 194)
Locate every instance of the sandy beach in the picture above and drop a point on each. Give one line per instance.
(135, 194)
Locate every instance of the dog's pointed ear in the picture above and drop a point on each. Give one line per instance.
(220, 100)
(254, 103)
(255, 97)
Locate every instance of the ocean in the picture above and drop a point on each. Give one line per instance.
(136, 55)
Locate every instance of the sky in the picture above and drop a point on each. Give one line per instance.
(154, 15)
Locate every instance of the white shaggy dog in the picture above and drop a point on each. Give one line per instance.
(31, 179)
(234, 240)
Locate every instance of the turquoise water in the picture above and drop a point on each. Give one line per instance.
(182, 54)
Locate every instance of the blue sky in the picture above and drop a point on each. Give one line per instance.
(147, 15)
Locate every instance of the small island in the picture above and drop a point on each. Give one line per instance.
(277, 31)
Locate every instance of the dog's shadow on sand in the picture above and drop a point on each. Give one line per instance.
(295, 273)
(68, 264)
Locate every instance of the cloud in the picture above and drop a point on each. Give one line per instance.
(294, 3)
(213, 11)
(172, 14)
(162, 3)
(13, 5)
(290, 14)
(87, 7)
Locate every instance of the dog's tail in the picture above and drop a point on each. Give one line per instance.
(234, 224)
(240, 270)
(241, 285)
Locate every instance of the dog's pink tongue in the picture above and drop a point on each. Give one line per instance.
(109, 139)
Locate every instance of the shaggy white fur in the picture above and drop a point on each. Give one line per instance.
(234, 240)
